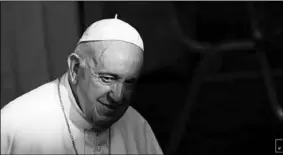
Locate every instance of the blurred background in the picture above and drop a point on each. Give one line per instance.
(212, 82)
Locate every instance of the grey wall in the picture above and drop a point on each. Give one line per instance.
(36, 38)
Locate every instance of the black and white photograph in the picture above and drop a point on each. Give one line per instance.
(142, 77)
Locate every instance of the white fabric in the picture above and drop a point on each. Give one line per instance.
(34, 124)
(112, 29)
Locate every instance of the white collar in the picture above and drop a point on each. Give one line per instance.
(73, 112)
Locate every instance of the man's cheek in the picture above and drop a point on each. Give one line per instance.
(94, 93)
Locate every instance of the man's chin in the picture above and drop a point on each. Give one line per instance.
(102, 123)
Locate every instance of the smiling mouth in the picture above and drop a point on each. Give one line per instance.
(108, 106)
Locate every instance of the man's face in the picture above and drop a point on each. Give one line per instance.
(104, 97)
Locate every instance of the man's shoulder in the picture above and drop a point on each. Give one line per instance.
(134, 114)
(31, 111)
(31, 100)
(133, 118)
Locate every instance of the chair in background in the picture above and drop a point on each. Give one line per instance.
(262, 36)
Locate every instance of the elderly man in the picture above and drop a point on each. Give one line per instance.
(86, 111)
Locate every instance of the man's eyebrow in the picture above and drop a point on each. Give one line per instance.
(111, 74)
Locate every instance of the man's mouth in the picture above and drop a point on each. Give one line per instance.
(109, 103)
(110, 106)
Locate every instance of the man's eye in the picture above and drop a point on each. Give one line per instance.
(106, 79)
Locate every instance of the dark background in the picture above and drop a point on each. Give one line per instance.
(230, 116)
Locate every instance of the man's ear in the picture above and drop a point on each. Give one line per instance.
(74, 64)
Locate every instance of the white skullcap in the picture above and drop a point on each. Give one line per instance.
(112, 29)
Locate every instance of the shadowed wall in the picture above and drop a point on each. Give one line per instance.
(36, 38)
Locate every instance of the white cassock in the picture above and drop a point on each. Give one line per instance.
(34, 124)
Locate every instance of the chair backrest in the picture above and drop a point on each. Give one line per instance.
(265, 23)
(214, 22)
(240, 24)
(267, 19)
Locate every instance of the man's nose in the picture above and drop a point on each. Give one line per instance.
(117, 92)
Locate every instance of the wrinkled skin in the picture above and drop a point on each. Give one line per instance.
(104, 104)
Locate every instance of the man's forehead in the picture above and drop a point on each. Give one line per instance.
(118, 57)
(114, 48)
(99, 46)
